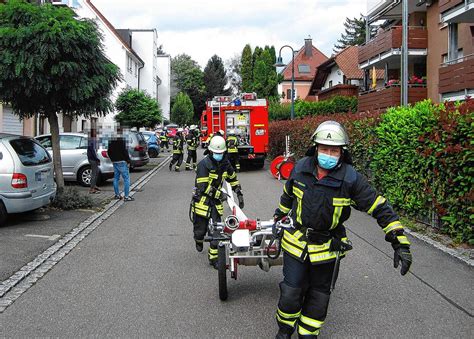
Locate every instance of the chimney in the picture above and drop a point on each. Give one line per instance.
(308, 47)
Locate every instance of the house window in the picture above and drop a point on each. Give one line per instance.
(452, 42)
(288, 94)
(136, 69)
(302, 68)
(330, 83)
(129, 63)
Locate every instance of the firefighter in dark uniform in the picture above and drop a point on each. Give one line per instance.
(319, 193)
(164, 141)
(192, 140)
(232, 142)
(207, 199)
(178, 149)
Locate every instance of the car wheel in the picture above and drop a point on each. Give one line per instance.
(3, 214)
(84, 176)
(152, 152)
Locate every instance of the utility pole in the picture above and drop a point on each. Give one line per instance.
(404, 57)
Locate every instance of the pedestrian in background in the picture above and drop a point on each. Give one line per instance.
(118, 154)
(178, 150)
(93, 159)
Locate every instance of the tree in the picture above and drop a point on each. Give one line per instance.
(137, 109)
(215, 78)
(247, 69)
(50, 63)
(182, 110)
(187, 77)
(354, 33)
(265, 75)
(234, 70)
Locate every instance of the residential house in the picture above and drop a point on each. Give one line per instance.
(339, 75)
(440, 52)
(306, 60)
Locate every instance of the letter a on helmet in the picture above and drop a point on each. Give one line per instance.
(330, 133)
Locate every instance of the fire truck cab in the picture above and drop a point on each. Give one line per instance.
(246, 116)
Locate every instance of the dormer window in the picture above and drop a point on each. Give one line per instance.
(302, 68)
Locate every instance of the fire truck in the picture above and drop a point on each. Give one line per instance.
(246, 116)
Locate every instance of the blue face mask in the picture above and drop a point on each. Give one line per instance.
(326, 161)
(218, 156)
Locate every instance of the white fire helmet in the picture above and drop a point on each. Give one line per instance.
(330, 133)
(217, 144)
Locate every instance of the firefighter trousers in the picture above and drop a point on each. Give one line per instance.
(164, 144)
(191, 161)
(304, 296)
(235, 161)
(200, 225)
(177, 159)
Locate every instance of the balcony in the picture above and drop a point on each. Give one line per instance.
(456, 78)
(388, 44)
(456, 11)
(389, 97)
(344, 90)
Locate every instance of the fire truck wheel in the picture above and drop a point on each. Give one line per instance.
(259, 163)
(222, 272)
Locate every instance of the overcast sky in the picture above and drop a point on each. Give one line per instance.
(202, 28)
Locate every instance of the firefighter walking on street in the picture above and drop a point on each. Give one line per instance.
(192, 140)
(178, 150)
(207, 199)
(232, 142)
(164, 141)
(319, 193)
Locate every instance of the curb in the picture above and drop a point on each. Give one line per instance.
(450, 251)
(12, 288)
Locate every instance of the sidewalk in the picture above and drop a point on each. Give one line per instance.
(28, 234)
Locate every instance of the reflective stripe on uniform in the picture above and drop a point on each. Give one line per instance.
(202, 180)
(290, 323)
(299, 196)
(303, 331)
(289, 315)
(403, 240)
(283, 208)
(320, 257)
(338, 204)
(294, 238)
(213, 176)
(291, 249)
(379, 201)
(311, 322)
(212, 253)
(395, 225)
(319, 248)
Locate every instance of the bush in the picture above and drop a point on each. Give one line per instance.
(70, 198)
(421, 157)
(337, 104)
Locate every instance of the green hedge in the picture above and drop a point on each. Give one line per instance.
(337, 104)
(421, 157)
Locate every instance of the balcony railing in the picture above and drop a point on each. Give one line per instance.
(446, 5)
(344, 90)
(389, 97)
(392, 39)
(457, 75)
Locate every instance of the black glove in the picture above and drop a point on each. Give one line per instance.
(240, 197)
(337, 245)
(402, 253)
(212, 192)
(278, 215)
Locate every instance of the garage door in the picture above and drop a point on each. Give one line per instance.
(10, 122)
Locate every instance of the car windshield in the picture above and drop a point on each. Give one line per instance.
(30, 152)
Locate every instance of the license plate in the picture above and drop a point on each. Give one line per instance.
(42, 175)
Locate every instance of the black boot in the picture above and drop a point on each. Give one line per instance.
(170, 166)
(199, 246)
(283, 335)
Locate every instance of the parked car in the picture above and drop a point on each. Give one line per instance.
(26, 175)
(153, 143)
(138, 149)
(73, 147)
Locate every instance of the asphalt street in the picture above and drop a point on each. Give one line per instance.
(138, 274)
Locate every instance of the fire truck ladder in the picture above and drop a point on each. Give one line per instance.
(216, 117)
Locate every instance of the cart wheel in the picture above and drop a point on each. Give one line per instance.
(222, 272)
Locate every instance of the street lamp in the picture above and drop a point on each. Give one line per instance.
(279, 63)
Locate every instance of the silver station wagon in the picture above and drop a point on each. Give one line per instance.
(26, 175)
(73, 147)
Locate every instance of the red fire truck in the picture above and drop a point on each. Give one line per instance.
(246, 116)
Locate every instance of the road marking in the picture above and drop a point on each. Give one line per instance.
(49, 237)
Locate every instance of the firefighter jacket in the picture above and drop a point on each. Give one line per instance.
(163, 137)
(192, 142)
(178, 144)
(210, 176)
(320, 207)
(232, 142)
